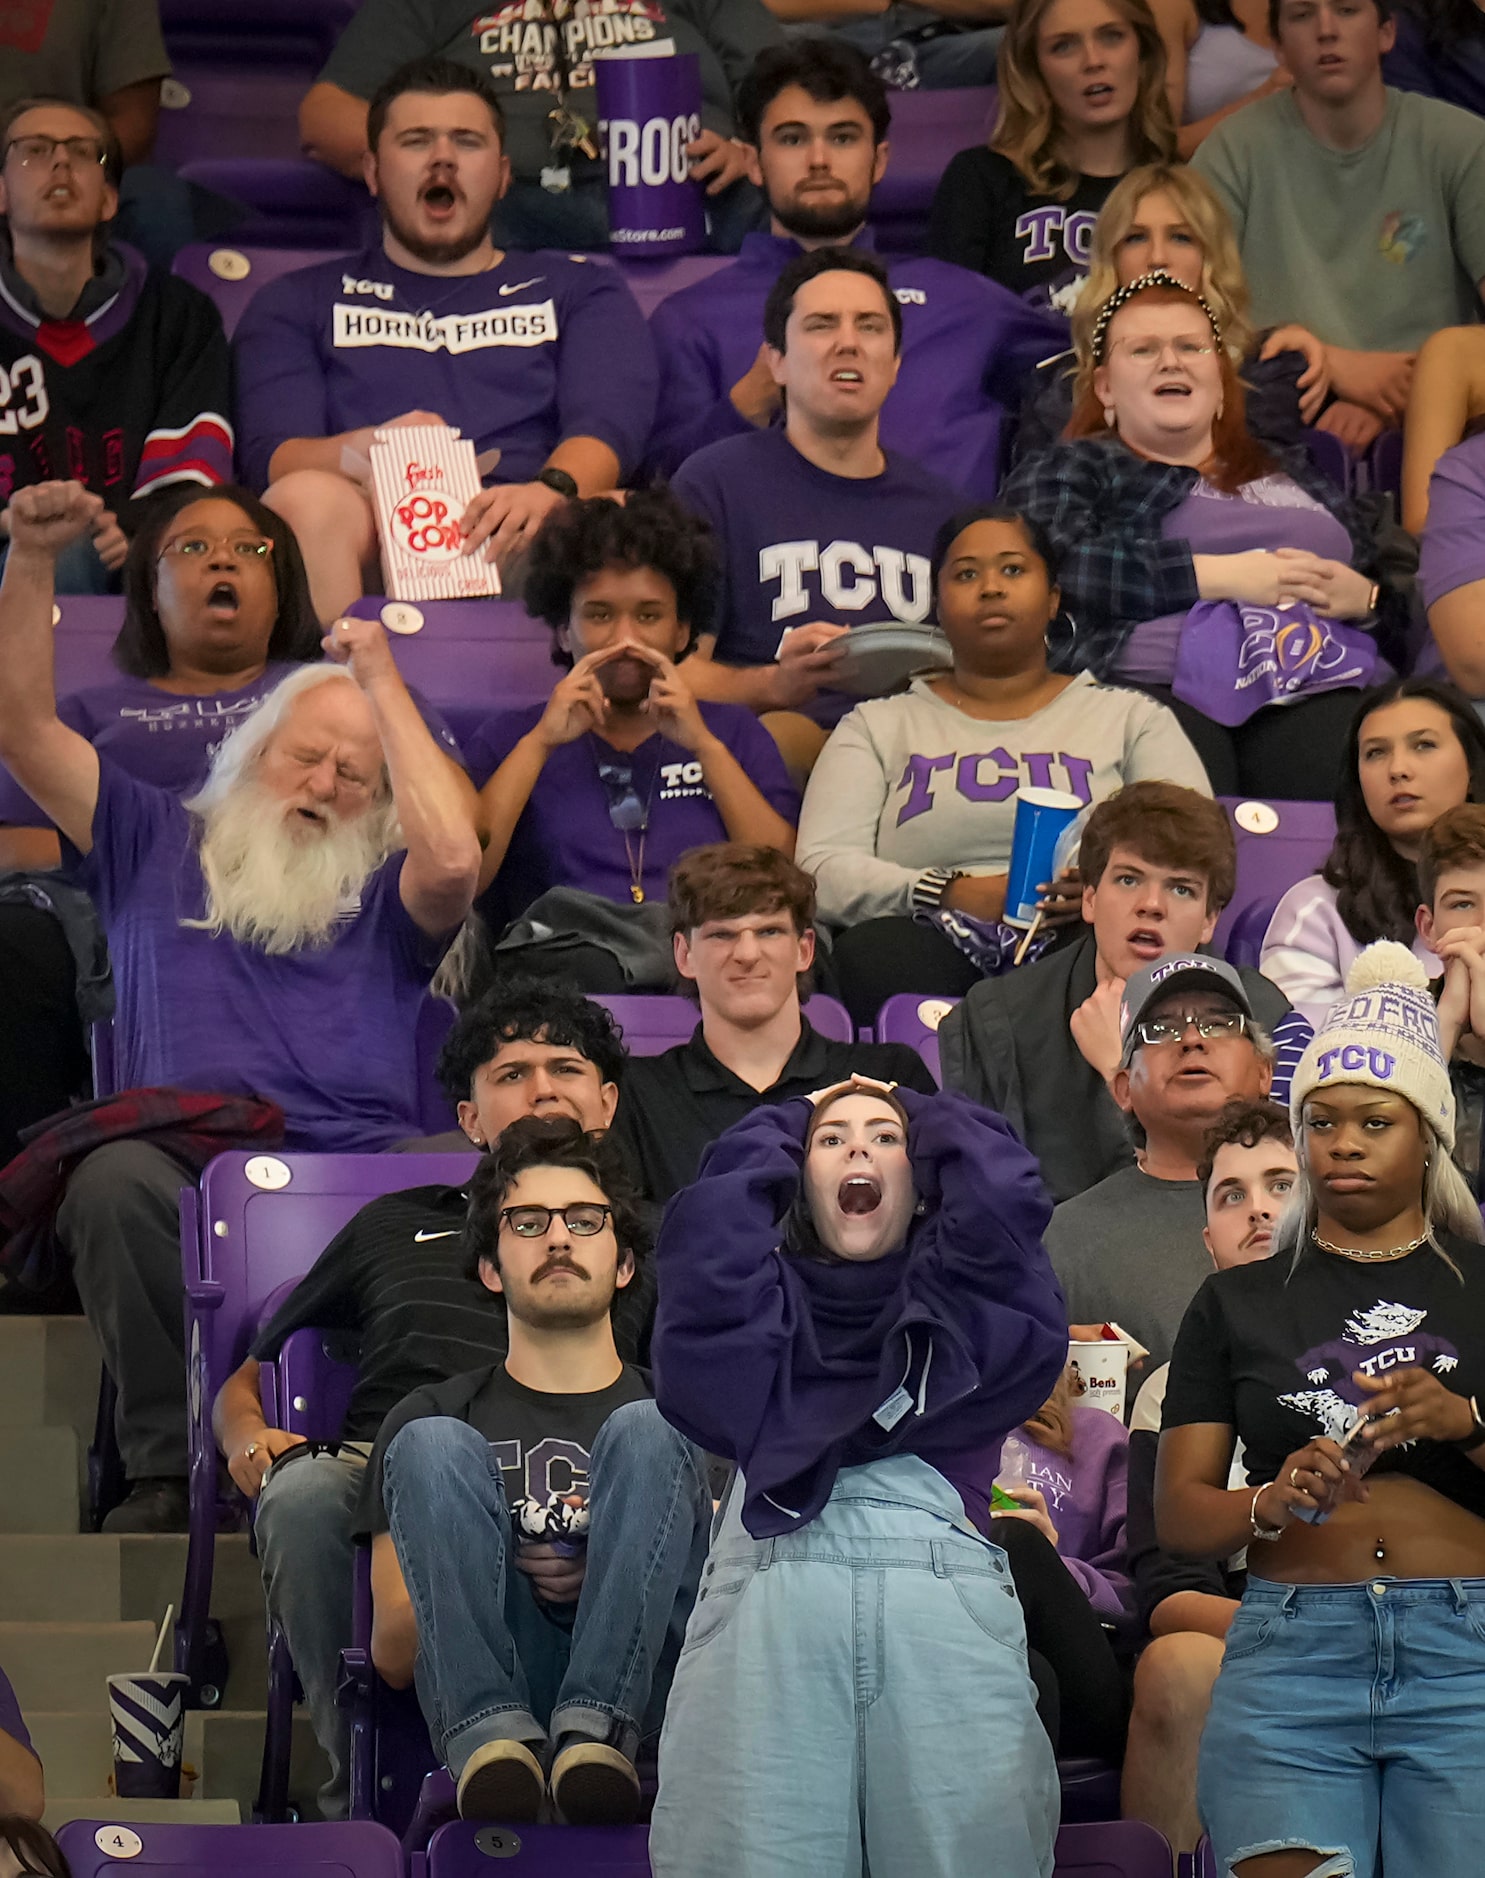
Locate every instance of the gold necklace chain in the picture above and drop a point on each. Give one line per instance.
(1356, 1252)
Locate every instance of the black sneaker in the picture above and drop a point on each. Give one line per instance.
(159, 1504)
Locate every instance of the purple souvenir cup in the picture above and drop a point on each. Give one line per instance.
(1041, 816)
(649, 109)
(148, 1713)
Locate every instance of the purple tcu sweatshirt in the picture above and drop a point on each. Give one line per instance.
(781, 1363)
(1086, 1494)
(967, 344)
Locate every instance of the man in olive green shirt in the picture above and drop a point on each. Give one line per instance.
(1359, 210)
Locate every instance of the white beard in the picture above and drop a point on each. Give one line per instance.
(271, 887)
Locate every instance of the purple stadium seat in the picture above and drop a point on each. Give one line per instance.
(928, 128)
(435, 1021)
(1331, 457)
(217, 268)
(255, 1222)
(472, 657)
(655, 1023)
(1116, 1848)
(82, 644)
(1384, 462)
(294, 203)
(1278, 843)
(463, 1849)
(1204, 1861)
(909, 1019)
(355, 1849)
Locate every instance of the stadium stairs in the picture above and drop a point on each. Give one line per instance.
(77, 1606)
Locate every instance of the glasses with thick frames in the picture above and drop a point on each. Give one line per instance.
(1206, 1024)
(80, 150)
(582, 1218)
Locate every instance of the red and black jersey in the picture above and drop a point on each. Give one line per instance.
(129, 397)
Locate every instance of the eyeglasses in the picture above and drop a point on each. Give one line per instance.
(582, 1219)
(243, 547)
(1152, 351)
(1207, 1024)
(80, 150)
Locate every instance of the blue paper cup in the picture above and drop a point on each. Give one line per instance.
(1041, 816)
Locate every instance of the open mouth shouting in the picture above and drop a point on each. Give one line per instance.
(224, 601)
(439, 199)
(859, 1195)
(1146, 943)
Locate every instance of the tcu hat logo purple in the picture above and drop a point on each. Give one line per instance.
(1356, 1056)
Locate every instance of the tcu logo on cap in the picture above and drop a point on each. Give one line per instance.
(1182, 963)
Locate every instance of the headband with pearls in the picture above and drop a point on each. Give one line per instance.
(1123, 295)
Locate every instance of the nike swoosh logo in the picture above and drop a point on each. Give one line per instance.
(421, 1238)
(520, 284)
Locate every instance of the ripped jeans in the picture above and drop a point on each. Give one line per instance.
(1347, 1719)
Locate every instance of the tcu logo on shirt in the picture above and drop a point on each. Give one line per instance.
(381, 288)
(910, 296)
(1039, 228)
(681, 779)
(990, 776)
(852, 578)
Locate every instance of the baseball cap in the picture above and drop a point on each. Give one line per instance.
(1178, 971)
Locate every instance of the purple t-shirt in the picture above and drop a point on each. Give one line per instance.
(1270, 512)
(565, 837)
(11, 1722)
(163, 738)
(327, 1033)
(799, 544)
(967, 344)
(1451, 549)
(538, 349)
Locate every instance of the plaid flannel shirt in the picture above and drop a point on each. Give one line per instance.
(1103, 507)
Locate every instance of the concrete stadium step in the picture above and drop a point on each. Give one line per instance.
(49, 1373)
(225, 1749)
(104, 1578)
(41, 1475)
(64, 1666)
(131, 1812)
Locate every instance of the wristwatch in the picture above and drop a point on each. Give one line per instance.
(559, 480)
(931, 886)
(1468, 1443)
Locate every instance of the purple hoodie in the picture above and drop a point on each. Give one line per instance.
(967, 344)
(1086, 1497)
(784, 1364)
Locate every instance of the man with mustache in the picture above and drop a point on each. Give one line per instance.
(537, 1531)
(115, 373)
(543, 358)
(275, 934)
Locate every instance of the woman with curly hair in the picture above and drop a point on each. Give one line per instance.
(600, 789)
(1082, 101)
(1414, 750)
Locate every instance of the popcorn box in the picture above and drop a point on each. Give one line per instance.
(423, 479)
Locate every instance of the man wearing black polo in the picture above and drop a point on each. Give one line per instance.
(397, 1277)
(742, 923)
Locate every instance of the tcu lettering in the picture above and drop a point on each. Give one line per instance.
(851, 578)
(1355, 1056)
(552, 1466)
(1040, 229)
(910, 296)
(676, 775)
(428, 525)
(991, 776)
(381, 288)
(652, 153)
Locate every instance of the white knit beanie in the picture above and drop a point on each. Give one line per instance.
(1384, 1032)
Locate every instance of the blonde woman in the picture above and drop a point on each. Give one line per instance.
(1166, 217)
(1082, 101)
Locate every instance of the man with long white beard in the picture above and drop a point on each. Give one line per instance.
(274, 934)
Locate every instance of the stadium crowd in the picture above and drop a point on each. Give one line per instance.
(734, 1413)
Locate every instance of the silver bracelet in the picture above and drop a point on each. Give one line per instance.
(1261, 1532)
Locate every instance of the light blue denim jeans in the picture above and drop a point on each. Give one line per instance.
(496, 1664)
(1348, 1719)
(853, 1698)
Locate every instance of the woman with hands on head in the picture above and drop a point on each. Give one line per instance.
(1163, 498)
(622, 770)
(873, 1313)
(1349, 1364)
